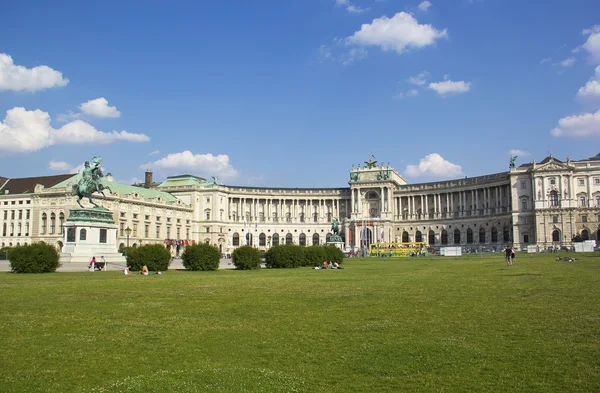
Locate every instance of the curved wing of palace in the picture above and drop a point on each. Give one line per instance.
(543, 204)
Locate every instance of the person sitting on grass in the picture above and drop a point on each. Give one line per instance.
(144, 270)
(324, 265)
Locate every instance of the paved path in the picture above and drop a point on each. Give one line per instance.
(176, 264)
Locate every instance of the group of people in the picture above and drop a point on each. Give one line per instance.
(328, 265)
(97, 265)
(509, 254)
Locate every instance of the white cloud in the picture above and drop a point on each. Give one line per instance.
(99, 108)
(592, 45)
(152, 153)
(61, 166)
(586, 124)
(353, 55)
(517, 152)
(397, 33)
(419, 79)
(434, 165)
(448, 87)
(568, 62)
(410, 93)
(545, 60)
(17, 78)
(25, 131)
(203, 164)
(350, 7)
(592, 87)
(424, 6)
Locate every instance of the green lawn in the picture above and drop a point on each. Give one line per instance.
(436, 324)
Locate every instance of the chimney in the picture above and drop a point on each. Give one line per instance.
(148, 181)
(108, 177)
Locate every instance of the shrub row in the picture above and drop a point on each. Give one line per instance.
(289, 255)
(155, 256)
(201, 257)
(34, 258)
(246, 258)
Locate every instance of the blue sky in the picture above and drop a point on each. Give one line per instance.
(293, 93)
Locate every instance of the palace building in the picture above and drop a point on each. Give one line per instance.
(545, 204)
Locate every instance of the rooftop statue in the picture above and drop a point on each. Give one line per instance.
(512, 161)
(90, 182)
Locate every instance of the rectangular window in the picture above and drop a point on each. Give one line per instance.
(597, 200)
(12, 214)
(102, 235)
(552, 181)
(27, 214)
(121, 228)
(597, 180)
(147, 217)
(70, 234)
(28, 202)
(207, 229)
(135, 216)
(20, 202)
(583, 218)
(178, 233)
(524, 205)
(582, 201)
(134, 230)
(523, 185)
(122, 214)
(158, 231)
(157, 218)
(146, 230)
(187, 233)
(20, 214)
(168, 232)
(581, 182)
(554, 219)
(6, 214)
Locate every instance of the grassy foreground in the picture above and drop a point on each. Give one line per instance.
(437, 324)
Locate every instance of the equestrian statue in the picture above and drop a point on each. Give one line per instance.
(90, 182)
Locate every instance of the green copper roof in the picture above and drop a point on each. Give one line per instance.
(184, 180)
(124, 189)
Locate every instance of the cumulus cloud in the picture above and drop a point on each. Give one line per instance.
(586, 124)
(18, 78)
(592, 45)
(517, 152)
(592, 87)
(419, 79)
(449, 87)
(568, 62)
(410, 93)
(203, 164)
(99, 108)
(398, 33)
(26, 131)
(424, 6)
(434, 165)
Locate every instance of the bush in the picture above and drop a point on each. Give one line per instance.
(333, 254)
(287, 255)
(201, 257)
(34, 258)
(155, 256)
(246, 258)
(314, 256)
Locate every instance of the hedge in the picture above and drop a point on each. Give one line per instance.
(314, 256)
(34, 258)
(155, 256)
(201, 257)
(285, 255)
(246, 258)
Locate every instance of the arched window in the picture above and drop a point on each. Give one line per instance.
(302, 239)
(82, 234)
(44, 222)
(553, 199)
(61, 222)
(262, 239)
(275, 239)
(585, 235)
(505, 234)
(315, 239)
(444, 237)
(405, 237)
(52, 223)
(456, 236)
(431, 238)
(494, 235)
(288, 238)
(418, 236)
(555, 235)
(469, 236)
(236, 239)
(481, 235)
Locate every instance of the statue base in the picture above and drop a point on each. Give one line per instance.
(90, 233)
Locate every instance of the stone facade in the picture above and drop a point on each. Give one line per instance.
(544, 203)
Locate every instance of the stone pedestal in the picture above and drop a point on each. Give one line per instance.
(88, 233)
(336, 240)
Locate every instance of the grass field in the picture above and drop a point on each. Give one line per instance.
(437, 324)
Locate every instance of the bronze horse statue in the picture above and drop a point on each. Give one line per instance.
(90, 182)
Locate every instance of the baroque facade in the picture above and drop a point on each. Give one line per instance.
(543, 204)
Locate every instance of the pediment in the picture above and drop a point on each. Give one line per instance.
(552, 166)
